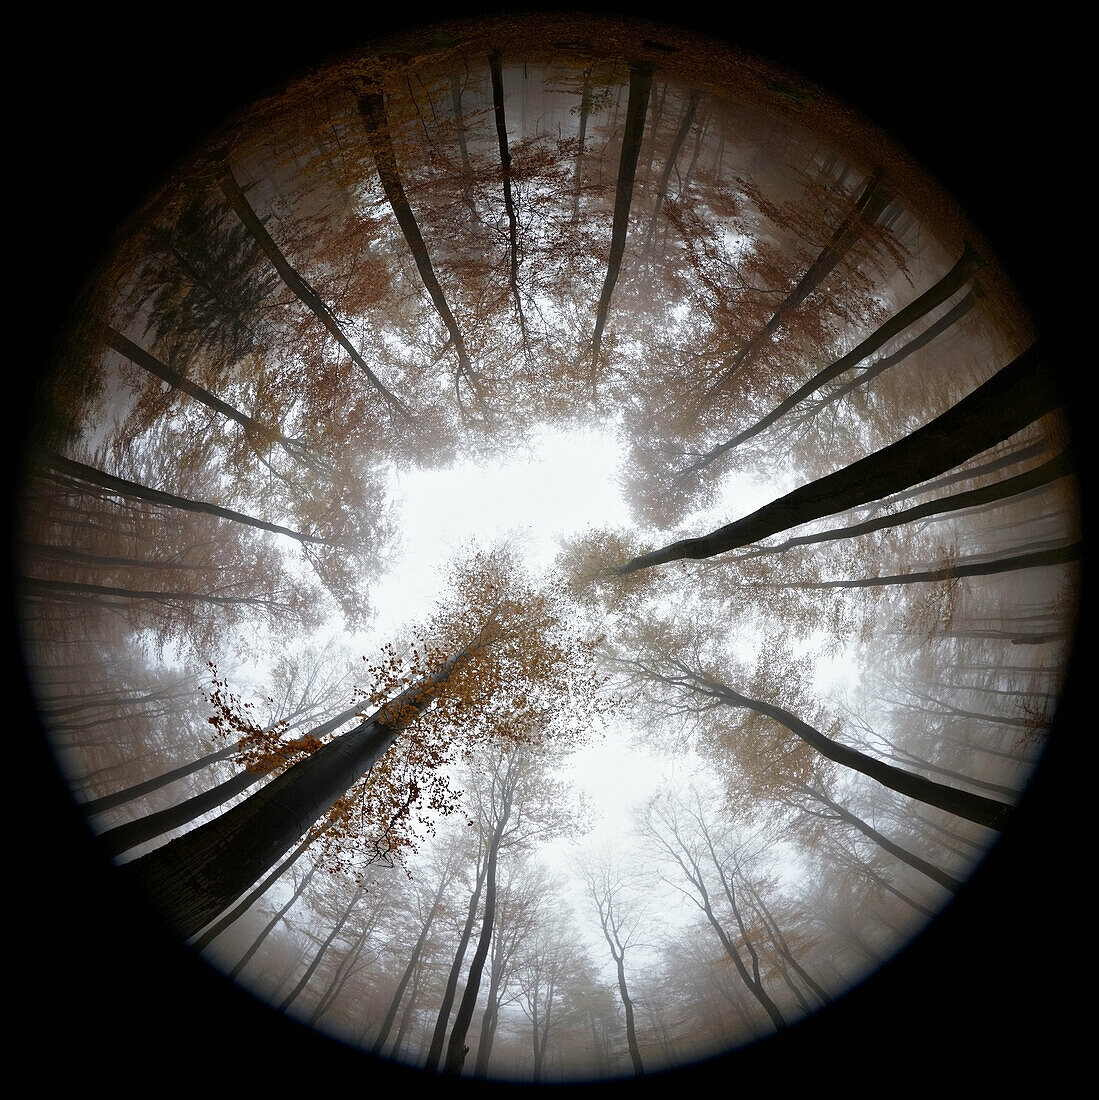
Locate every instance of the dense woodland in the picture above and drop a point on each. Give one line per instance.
(840, 446)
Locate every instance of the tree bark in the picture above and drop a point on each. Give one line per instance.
(934, 296)
(133, 490)
(1014, 397)
(193, 878)
(641, 78)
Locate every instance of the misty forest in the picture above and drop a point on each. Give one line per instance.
(548, 554)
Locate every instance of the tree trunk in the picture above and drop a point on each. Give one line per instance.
(641, 78)
(627, 1005)
(139, 790)
(1057, 555)
(868, 207)
(974, 807)
(435, 1050)
(1049, 471)
(932, 297)
(133, 490)
(413, 961)
(144, 359)
(193, 878)
(246, 958)
(456, 1048)
(303, 981)
(937, 874)
(1014, 397)
(372, 109)
(496, 72)
(305, 293)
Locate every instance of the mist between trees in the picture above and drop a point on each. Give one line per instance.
(840, 445)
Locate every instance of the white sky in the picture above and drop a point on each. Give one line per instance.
(568, 483)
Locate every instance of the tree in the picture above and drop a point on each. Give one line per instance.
(500, 641)
(1014, 397)
(612, 894)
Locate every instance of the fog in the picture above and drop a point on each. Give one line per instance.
(439, 354)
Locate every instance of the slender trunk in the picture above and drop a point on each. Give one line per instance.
(1014, 397)
(868, 207)
(35, 585)
(496, 72)
(155, 367)
(303, 291)
(456, 1048)
(641, 77)
(948, 285)
(932, 332)
(413, 962)
(346, 968)
(139, 790)
(193, 878)
(1058, 555)
(974, 807)
(246, 958)
(303, 981)
(581, 137)
(669, 165)
(937, 874)
(372, 110)
(135, 491)
(435, 1050)
(627, 1005)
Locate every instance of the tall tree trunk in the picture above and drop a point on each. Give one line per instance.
(948, 285)
(193, 878)
(303, 981)
(937, 874)
(139, 790)
(973, 807)
(456, 1048)
(627, 1005)
(304, 292)
(868, 207)
(372, 109)
(89, 475)
(1049, 471)
(413, 962)
(256, 432)
(641, 78)
(497, 75)
(268, 928)
(669, 165)
(123, 837)
(1014, 397)
(438, 1036)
